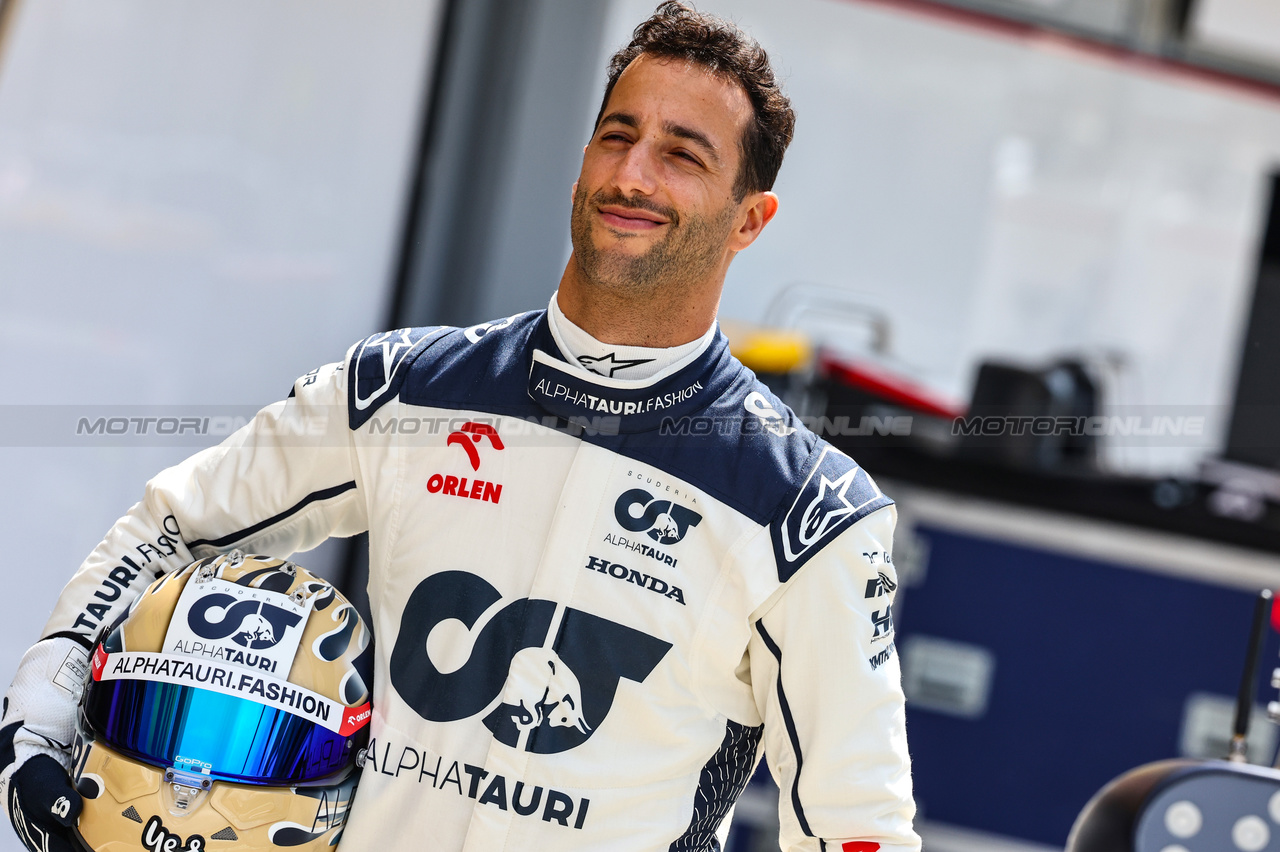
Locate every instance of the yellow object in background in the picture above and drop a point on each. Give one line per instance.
(768, 350)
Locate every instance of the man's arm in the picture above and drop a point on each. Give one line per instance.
(282, 484)
(828, 686)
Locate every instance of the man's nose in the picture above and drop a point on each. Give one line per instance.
(637, 170)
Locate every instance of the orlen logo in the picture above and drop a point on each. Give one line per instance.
(469, 438)
(543, 675)
(664, 521)
(252, 624)
(469, 435)
(354, 719)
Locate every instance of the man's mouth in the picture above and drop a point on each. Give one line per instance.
(630, 218)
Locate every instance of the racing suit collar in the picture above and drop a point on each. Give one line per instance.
(625, 406)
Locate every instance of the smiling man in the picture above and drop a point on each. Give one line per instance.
(609, 570)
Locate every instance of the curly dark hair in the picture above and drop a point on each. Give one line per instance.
(677, 31)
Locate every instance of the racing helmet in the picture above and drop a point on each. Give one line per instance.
(224, 710)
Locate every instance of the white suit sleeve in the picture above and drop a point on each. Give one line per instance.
(283, 483)
(828, 686)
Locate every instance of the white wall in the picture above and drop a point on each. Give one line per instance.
(198, 203)
(1249, 29)
(994, 197)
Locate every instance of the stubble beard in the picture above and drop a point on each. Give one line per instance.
(689, 251)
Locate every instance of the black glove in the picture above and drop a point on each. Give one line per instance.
(44, 806)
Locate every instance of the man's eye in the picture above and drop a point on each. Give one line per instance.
(685, 155)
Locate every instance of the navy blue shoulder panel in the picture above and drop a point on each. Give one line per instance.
(481, 368)
(836, 494)
(733, 439)
(378, 368)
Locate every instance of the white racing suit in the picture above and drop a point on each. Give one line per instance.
(594, 599)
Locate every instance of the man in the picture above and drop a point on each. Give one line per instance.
(606, 564)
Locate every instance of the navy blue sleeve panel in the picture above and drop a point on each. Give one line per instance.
(379, 365)
(481, 368)
(836, 493)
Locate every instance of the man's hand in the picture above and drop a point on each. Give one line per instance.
(44, 806)
(36, 731)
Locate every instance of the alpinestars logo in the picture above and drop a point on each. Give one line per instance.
(662, 520)
(387, 349)
(828, 508)
(378, 369)
(544, 675)
(609, 365)
(881, 585)
(836, 494)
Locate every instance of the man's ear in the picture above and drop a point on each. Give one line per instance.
(573, 191)
(758, 210)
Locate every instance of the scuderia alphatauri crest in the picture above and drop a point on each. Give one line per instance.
(224, 711)
(836, 494)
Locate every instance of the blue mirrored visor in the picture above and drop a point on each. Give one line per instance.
(195, 729)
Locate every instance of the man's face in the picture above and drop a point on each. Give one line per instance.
(654, 203)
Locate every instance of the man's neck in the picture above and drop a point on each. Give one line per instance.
(661, 319)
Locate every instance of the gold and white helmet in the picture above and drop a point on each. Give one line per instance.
(224, 711)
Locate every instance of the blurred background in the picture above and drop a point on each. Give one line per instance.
(1026, 270)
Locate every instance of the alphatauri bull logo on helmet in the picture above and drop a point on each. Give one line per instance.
(253, 624)
(255, 631)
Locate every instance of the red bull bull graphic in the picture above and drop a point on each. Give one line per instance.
(542, 688)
